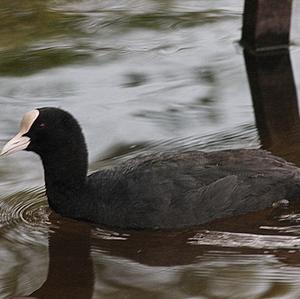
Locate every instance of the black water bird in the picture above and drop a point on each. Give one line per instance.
(167, 190)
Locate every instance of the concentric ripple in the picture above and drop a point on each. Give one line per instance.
(24, 215)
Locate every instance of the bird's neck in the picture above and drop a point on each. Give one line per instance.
(65, 178)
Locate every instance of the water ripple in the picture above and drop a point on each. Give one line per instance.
(255, 241)
(24, 216)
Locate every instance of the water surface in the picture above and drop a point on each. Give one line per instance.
(139, 76)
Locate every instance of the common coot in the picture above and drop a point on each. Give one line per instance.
(173, 189)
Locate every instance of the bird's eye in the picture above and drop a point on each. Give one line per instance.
(42, 125)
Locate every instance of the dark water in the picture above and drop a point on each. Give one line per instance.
(141, 75)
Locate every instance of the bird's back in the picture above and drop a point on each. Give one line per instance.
(180, 189)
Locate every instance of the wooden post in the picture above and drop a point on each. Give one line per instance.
(266, 24)
(265, 38)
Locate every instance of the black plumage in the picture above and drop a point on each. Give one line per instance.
(162, 190)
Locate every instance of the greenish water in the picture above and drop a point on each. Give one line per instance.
(138, 75)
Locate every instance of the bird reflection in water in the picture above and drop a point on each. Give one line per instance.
(70, 271)
(75, 248)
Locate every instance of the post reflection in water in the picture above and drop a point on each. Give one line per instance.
(275, 102)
